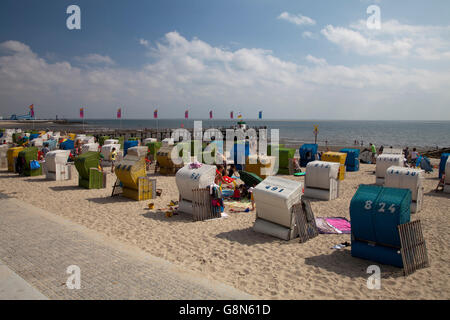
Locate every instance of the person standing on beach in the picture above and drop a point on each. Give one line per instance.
(373, 149)
(414, 156)
(406, 152)
(112, 158)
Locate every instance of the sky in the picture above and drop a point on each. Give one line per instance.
(291, 59)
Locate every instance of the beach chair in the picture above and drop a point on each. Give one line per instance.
(274, 198)
(129, 144)
(442, 163)
(132, 174)
(188, 179)
(322, 180)
(447, 177)
(407, 178)
(352, 160)
(26, 156)
(338, 157)
(106, 152)
(89, 147)
(12, 154)
(262, 166)
(384, 161)
(4, 156)
(308, 153)
(283, 156)
(153, 148)
(56, 166)
(89, 176)
(164, 158)
(381, 230)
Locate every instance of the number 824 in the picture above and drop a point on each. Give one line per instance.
(381, 208)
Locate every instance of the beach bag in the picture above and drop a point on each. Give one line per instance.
(34, 164)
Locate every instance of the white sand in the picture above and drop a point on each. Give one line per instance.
(229, 250)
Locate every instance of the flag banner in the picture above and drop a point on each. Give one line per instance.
(260, 115)
(186, 114)
(231, 115)
(32, 110)
(155, 114)
(210, 114)
(81, 112)
(240, 116)
(119, 113)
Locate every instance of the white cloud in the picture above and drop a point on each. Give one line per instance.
(94, 58)
(299, 20)
(144, 42)
(314, 60)
(393, 40)
(192, 72)
(352, 40)
(308, 35)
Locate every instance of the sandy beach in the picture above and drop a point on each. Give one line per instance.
(228, 250)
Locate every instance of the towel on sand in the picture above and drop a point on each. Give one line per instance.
(333, 225)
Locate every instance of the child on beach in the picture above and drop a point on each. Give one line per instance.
(414, 156)
(112, 158)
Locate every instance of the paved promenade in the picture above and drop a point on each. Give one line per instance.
(38, 247)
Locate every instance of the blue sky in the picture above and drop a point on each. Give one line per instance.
(292, 59)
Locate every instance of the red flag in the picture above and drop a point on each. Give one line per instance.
(81, 112)
(32, 110)
(155, 114)
(210, 114)
(119, 113)
(186, 114)
(231, 115)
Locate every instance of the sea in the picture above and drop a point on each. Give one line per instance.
(423, 134)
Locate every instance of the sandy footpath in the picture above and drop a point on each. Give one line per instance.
(228, 250)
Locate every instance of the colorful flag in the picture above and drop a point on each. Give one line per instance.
(119, 113)
(210, 114)
(240, 116)
(155, 114)
(260, 115)
(231, 115)
(81, 112)
(32, 110)
(186, 114)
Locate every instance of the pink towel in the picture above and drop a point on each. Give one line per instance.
(341, 224)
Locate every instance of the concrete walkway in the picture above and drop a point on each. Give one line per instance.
(13, 287)
(39, 247)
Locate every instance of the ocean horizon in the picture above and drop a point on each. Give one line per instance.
(396, 133)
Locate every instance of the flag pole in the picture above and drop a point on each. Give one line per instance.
(83, 119)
